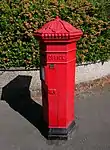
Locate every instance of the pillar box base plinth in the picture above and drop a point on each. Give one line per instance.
(61, 133)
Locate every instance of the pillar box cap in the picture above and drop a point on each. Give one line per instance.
(58, 30)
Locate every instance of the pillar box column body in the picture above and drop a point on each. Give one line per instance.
(58, 57)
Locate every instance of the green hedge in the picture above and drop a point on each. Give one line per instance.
(19, 19)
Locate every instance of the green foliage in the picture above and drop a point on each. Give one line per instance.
(20, 18)
(104, 6)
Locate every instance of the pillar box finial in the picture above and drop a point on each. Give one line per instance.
(57, 17)
(57, 62)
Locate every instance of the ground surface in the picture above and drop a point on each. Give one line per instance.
(92, 109)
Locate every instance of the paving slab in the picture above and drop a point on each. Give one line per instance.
(19, 132)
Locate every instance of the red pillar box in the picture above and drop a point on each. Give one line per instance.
(58, 57)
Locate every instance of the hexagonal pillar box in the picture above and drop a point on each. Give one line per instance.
(57, 40)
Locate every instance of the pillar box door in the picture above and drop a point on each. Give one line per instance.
(57, 40)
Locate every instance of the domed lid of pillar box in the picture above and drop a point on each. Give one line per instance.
(58, 29)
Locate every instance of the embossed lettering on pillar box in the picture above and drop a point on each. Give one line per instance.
(56, 58)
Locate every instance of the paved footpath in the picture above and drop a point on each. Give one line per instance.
(92, 111)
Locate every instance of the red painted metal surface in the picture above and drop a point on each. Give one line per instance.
(58, 57)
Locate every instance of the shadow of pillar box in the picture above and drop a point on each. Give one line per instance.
(17, 89)
(17, 94)
(57, 40)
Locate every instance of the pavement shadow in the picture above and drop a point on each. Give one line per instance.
(16, 93)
